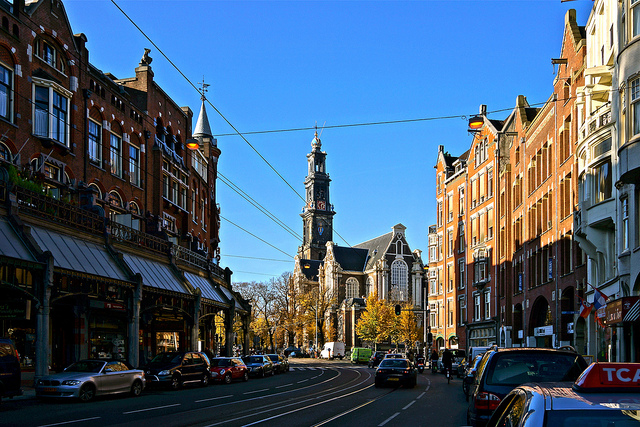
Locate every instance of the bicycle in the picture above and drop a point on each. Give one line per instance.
(447, 372)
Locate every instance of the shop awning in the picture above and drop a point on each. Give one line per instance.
(231, 297)
(11, 245)
(633, 314)
(155, 274)
(207, 288)
(74, 254)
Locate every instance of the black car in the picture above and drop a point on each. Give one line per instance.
(280, 364)
(259, 365)
(501, 370)
(176, 368)
(396, 372)
(10, 374)
(376, 358)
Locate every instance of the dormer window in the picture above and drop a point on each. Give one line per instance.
(48, 53)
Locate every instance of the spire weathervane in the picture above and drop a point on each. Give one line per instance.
(203, 89)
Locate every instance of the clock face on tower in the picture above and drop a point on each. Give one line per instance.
(321, 205)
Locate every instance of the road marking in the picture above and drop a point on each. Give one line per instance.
(421, 394)
(286, 385)
(344, 413)
(150, 409)
(69, 422)
(302, 381)
(256, 391)
(389, 419)
(409, 404)
(214, 398)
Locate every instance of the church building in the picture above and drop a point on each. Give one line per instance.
(345, 275)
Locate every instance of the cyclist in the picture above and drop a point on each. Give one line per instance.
(447, 362)
(434, 360)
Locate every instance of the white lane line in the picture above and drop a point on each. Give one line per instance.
(421, 394)
(214, 398)
(303, 381)
(150, 409)
(285, 385)
(256, 391)
(343, 414)
(389, 419)
(409, 404)
(69, 422)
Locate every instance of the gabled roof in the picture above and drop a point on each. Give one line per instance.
(351, 259)
(377, 247)
(310, 268)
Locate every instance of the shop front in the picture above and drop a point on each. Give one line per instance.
(108, 326)
(621, 321)
(482, 335)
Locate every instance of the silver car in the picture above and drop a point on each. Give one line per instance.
(89, 378)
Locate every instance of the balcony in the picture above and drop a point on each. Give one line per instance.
(600, 118)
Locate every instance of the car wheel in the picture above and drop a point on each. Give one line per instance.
(136, 388)
(175, 382)
(245, 377)
(87, 393)
(205, 379)
(227, 379)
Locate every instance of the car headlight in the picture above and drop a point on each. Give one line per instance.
(71, 382)
(165, 372)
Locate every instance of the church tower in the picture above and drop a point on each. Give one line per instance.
(317, 216)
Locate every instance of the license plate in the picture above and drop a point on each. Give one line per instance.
(393, 379)
(49, 390)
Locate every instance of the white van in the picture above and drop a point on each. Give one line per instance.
(331, 350)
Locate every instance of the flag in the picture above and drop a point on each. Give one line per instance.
(599, 299)
(585, 308)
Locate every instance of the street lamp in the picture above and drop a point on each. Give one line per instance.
(192, 144)
(476, 122)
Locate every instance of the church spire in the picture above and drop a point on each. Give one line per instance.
(202, 129)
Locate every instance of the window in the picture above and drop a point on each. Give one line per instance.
(462, 310)
(490, 224)
(450, 308)
(370, 288)
(50, 111)
(450, 277)
(461, 237)
(400, 278)
(490, 183)
(487, 305)
(439, 214)
(352, 286)
(6, 98)
(477, 315)
(433, 287)
(95, 142)
(450, 207)
(635, 18)
(625, 223)
(635, 99)
(602, 181)
(5, 153)
(450, 245)
(461, 277)
(461, 201)
(134, 165)
(115, 152)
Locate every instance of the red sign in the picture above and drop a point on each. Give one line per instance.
(610, 375)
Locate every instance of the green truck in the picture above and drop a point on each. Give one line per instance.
(360, 355)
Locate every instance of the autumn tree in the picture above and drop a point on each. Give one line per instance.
(375, 321)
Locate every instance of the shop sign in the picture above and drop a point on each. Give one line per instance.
(108, 305)
(616, 310)
(13, 309)
(543, 331)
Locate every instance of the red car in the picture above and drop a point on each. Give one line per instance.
(227, 369)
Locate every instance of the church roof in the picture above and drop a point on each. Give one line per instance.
(377, 247)
(350, 259)
(310, 268)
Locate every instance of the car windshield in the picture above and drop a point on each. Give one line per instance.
(518, 368)
(599, 417)
(85, 366)
(254, 359)
(220, 363)
(273, 357)
(393, 363)
(167, 358)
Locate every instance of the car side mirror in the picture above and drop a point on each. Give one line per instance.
(107, 370)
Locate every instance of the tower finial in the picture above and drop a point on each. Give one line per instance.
(203, 89)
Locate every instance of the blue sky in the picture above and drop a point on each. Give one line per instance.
(289, 65)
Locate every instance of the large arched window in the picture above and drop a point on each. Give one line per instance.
(352, 288)
(370, 286)
(400, 280)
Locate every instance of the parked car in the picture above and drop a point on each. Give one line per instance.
(287, 351)
(502, 369)
(299, 353)
(86, 379)
(376, 358)
(259, 365)
(227, 369)
(177, 368)
(469, 375)
(393, 356)
(280, 364)
(606, 394)
(10, 373)
(396, 372)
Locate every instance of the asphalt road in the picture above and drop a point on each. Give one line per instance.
(312, 393)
